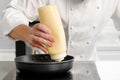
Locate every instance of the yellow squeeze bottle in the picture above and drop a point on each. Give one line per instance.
(49, 15)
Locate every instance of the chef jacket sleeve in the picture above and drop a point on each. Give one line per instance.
(116, 16)
(15, 14)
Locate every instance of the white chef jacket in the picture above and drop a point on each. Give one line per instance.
(83, 20)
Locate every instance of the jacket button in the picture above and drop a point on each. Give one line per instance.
(98, 7)
(71, 9)
(70, 42)
(87, 71)
(81, 56)
(70, 28)
(94, 27)
(88, 42)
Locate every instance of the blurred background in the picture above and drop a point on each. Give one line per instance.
(108, 43)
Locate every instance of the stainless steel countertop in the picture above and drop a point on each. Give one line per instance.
(5, 68)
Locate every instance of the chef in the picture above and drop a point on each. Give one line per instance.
(83, 21)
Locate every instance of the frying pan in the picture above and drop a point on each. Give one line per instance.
(42, 63)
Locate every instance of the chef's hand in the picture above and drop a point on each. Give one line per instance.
(39, 36)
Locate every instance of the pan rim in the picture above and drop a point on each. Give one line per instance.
(43, 63)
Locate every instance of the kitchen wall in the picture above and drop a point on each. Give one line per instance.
(108, 43)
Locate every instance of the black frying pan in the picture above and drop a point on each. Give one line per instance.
(42, 63)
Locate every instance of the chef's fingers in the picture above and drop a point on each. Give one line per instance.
(39, 46)
(45, 36)
(41, 40)
(42, 28)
